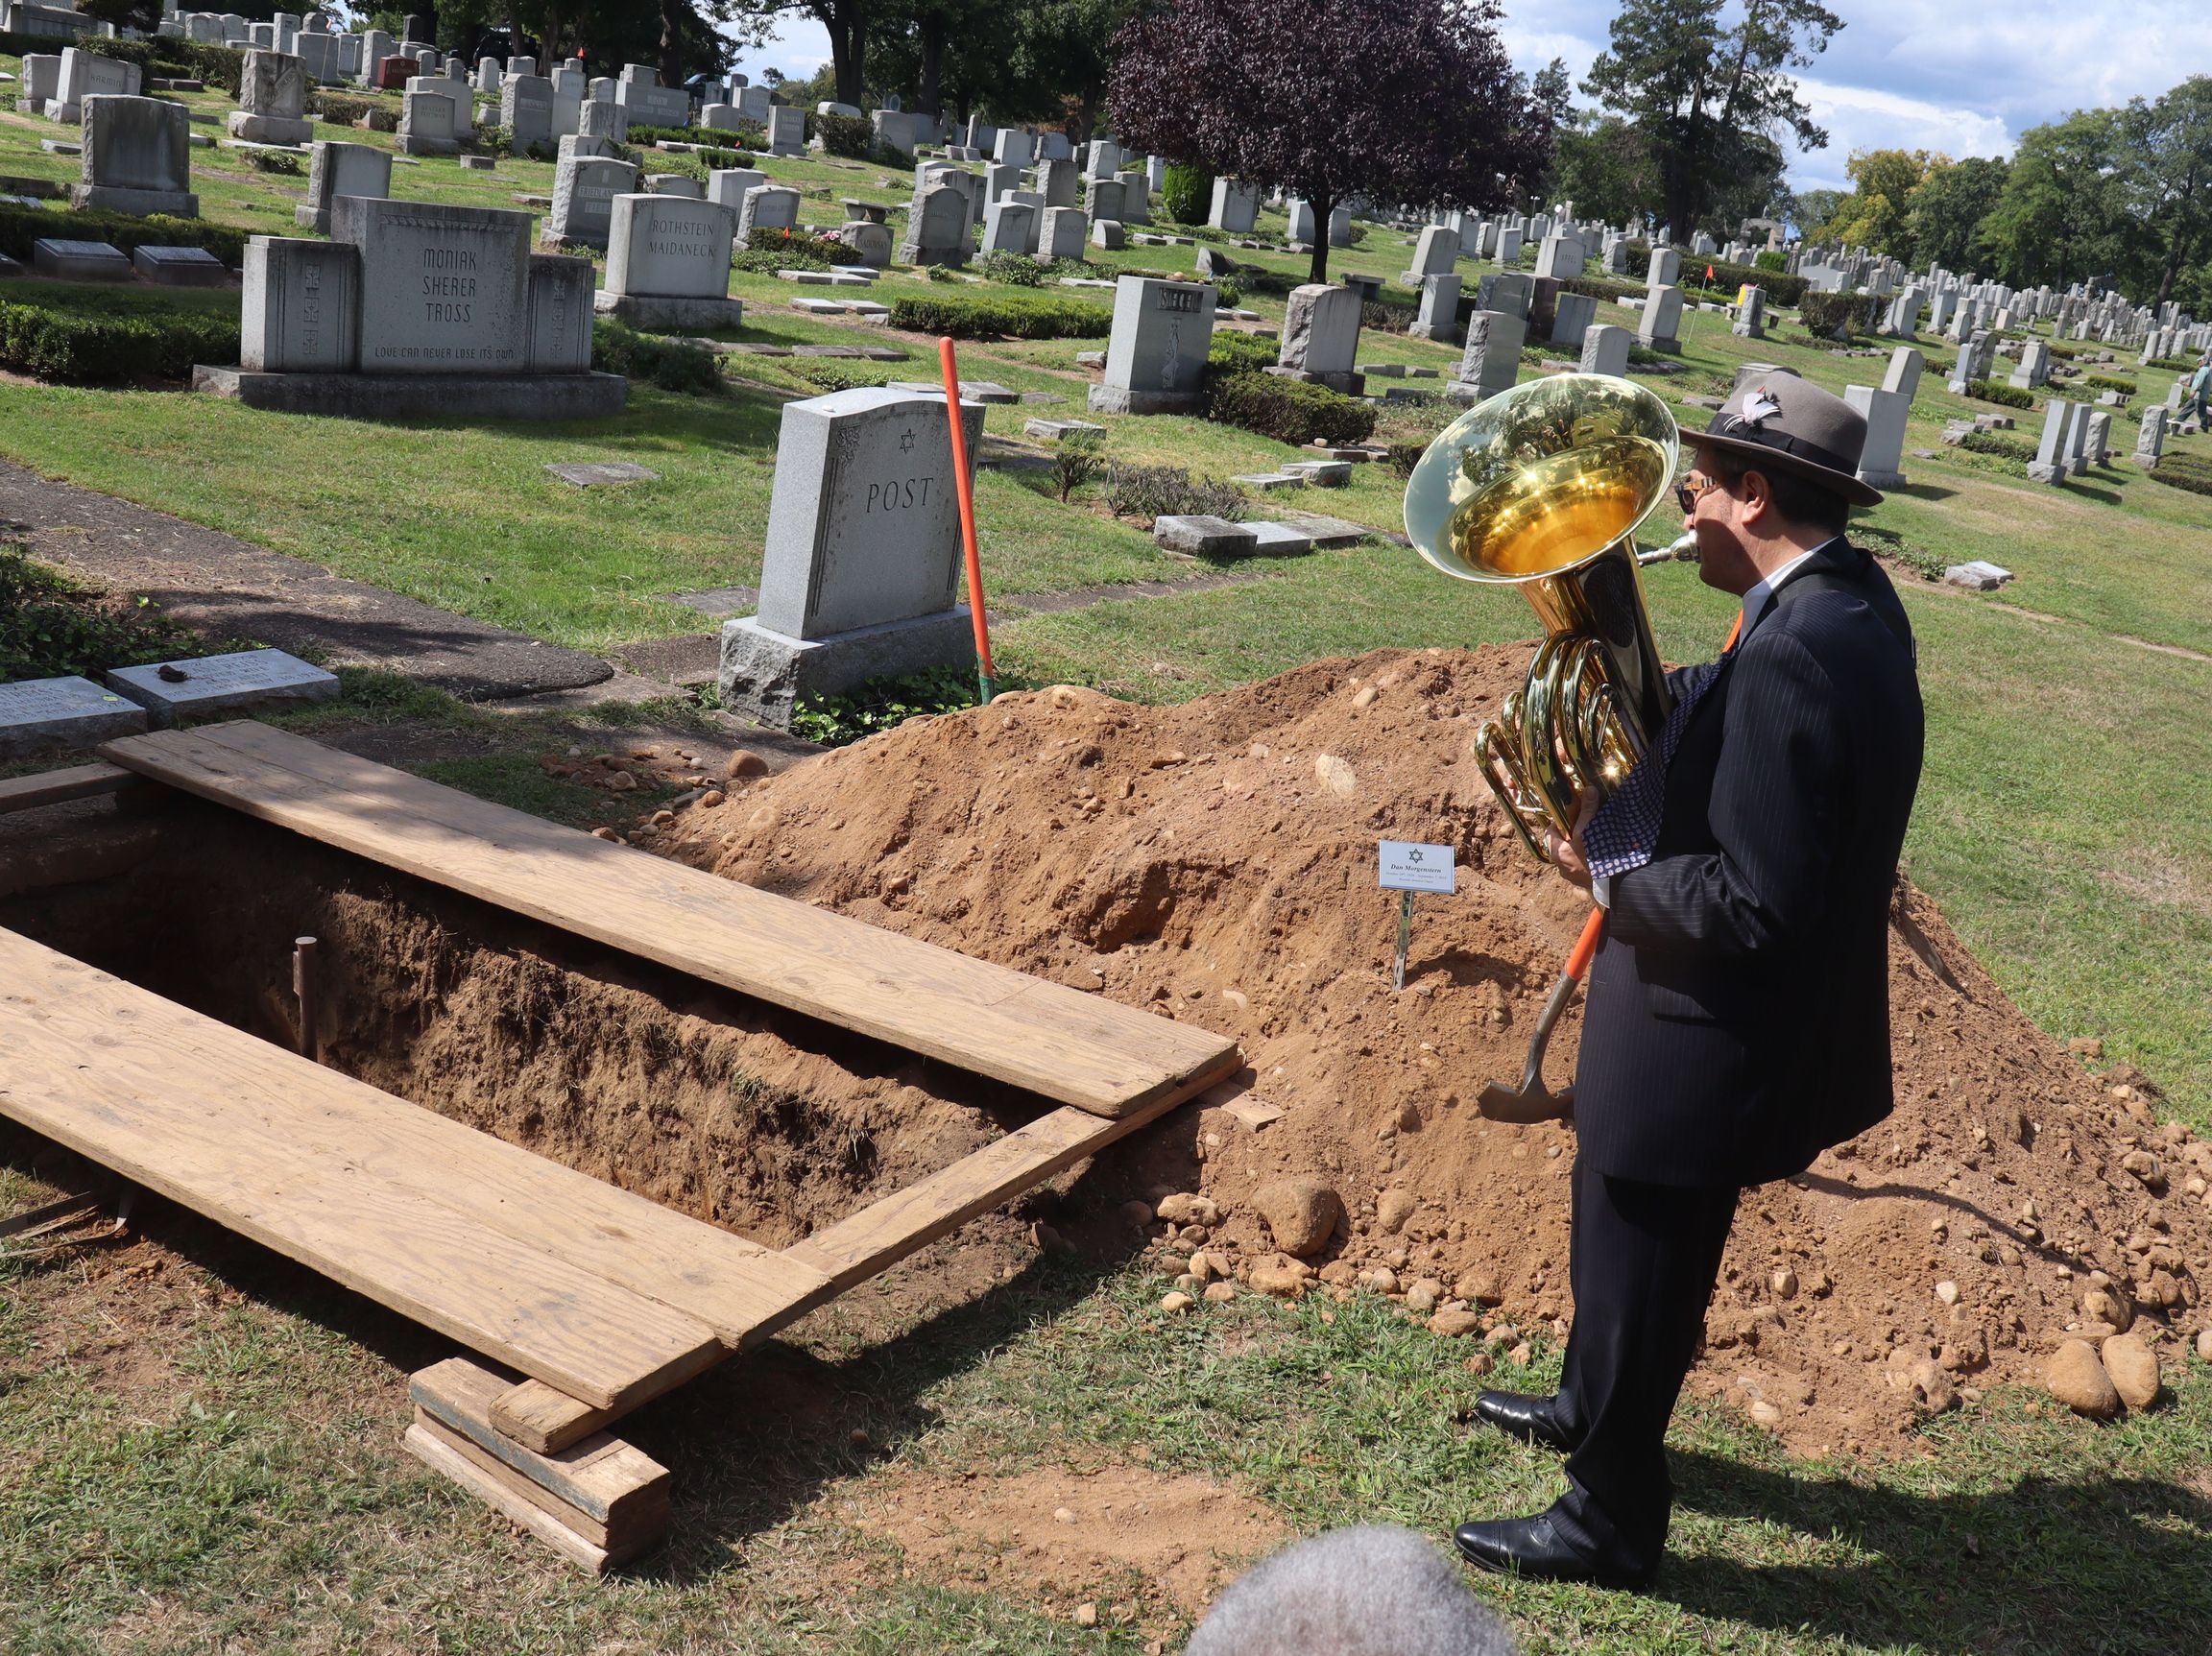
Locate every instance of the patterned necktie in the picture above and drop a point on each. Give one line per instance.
(1626, 829)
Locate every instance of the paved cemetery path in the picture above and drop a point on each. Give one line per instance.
(224, 587)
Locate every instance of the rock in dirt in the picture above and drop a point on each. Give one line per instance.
(1392, 1210)
(1456, 1325)
(2077, 1380)
(2109, 1306)
(2205, 1344)
(1301, 1214)
(1425, 1295)
(1221, 1293)
(1337, 776)
(2134, 1369)
(1186, 1209)
(1766, 1414)
(1176, 1303)
(745, 763)
(1284, 1282)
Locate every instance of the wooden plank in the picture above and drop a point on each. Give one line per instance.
(610, 1483)
(58, 787)
(886, 1231)
(1077, 1048)
(440, 1455)
(545, 1418)
(254, 1136)
(583, 1524)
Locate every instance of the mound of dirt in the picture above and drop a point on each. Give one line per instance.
(1215, 862)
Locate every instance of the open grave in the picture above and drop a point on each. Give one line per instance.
(602, 1120)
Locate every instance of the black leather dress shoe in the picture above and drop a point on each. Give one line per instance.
(1530, 1419)
(1532, 1547)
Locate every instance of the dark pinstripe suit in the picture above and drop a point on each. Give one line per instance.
(1738, 1012)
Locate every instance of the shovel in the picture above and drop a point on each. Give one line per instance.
(1531, 1100)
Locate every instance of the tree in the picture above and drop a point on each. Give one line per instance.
(1603, 165)
(1878, 215)
(846, 21)
(1949, 207)
(1813, 211)
(1707, 97)
(2061, 216)
(2167, 161)
(1418, 104)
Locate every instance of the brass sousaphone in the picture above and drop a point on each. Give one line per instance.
(1542, 488)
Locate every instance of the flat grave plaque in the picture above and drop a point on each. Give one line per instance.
(223, 684)
(71, 712)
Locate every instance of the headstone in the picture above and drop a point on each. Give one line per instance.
(561, 312)
(1751, 314)
(427, 125)
(569, 88)
(526, 111)
(1320, 340)
(1236, 207)
(135, 158)
(1009, 227)
(1156, 352)
(41, 79)
(1438, 315)
(863, 553)
(937, 226)
(729, 185)
(2097, 439)
(442, 289)
(1108, 235)
(1102, 198)
(2051, 463)
(584, 194)
(1056, 182)
(786, 131)
(1014, 148)
(1903, 374)
(1061, 235)
(1508, 291)
(1977, 357)
(1571, 316)
(1508, 246)
(1301, 231)
(1136, 207)
(603, 120)
(766, 208)
(87, 74)
(1560, 256)
(1660, 327)
(674, 184)
(1604, 350)
(668, 263)
(2034, 367)
(272, 96)
(179, 267)
(1886, 413)
(235, 683)
(2150, 437)
(41, 715)
(1492, 360)
(1666, 268)
(1438, 252)
(299, 313)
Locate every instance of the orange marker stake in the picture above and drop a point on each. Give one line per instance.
(986, 676)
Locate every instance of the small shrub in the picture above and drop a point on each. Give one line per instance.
(112, 340)
(1289, 410)
(1241, 352)
(850, 136)
(1187, 193)
(796, 249)
(1075, 461)
(1999, 444)
(835, 375)
(1604, 287)
(1227, 295)
(745, 135)
(882, 703)
(2174, 471)
(1015, 270)
(1885, 542)
(343, 110)
(2111, 382)
(20, 226)
(273, 162)
(2004, 395)
(986, 316)
(616, 348)
(167, 57)
(2174, 364)
(51, 626)
(1836, 316)
(1404, 457)
(1770, 262)
(1381, 317)
(1169, 492)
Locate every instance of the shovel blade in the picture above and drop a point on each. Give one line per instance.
(1500, 1102)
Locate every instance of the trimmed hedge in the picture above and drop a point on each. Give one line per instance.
(2006, 395)
(1289, 410)
(1013, 315)
(1996, 442)
(745, 135)
(1837, 315)
(20, 226)
(1610, 288)
(1781, 288)
(348, 109)
(2183, 471)
(2112, 382)
(672, 365)
(1242, 352)
(95, 344)
(169, 59)
(1187, 193)
(851, 136)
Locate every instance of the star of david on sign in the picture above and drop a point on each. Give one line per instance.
(1413, 855)
(906, 441)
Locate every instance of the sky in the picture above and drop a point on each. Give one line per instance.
(1966, 80)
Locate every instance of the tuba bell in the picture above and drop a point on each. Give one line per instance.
(1542, 488)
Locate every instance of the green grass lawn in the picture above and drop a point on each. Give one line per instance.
(256, 1498)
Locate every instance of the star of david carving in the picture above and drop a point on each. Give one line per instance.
(906, 441)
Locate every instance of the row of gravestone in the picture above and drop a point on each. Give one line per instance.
(71, 712)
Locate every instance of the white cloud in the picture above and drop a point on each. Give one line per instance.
(1867, 118)
(798, 46)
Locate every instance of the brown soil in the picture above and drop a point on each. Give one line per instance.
(1057, 1539)
(1215, 862)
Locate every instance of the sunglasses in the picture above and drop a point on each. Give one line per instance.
(1685, 493)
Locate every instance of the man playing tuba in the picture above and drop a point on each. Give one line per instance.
(1738, 1018)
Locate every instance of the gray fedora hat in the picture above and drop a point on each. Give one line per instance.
(1786, 423)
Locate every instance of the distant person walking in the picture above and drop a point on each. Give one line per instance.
(2200, 391)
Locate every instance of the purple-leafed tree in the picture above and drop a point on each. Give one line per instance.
(1407, 102)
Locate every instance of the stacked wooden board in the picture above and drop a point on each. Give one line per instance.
(598, 1299)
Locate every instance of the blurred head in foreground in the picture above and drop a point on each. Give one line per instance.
(1375, 1591)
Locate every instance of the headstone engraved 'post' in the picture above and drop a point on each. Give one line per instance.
(136, 159)
(668, 263)
(1155, 351)
(1604, 350)
(1236, 207)
(864, 556)
(272, 96)
(2051, 462)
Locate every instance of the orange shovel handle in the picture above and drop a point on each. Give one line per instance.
(1586, 946)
